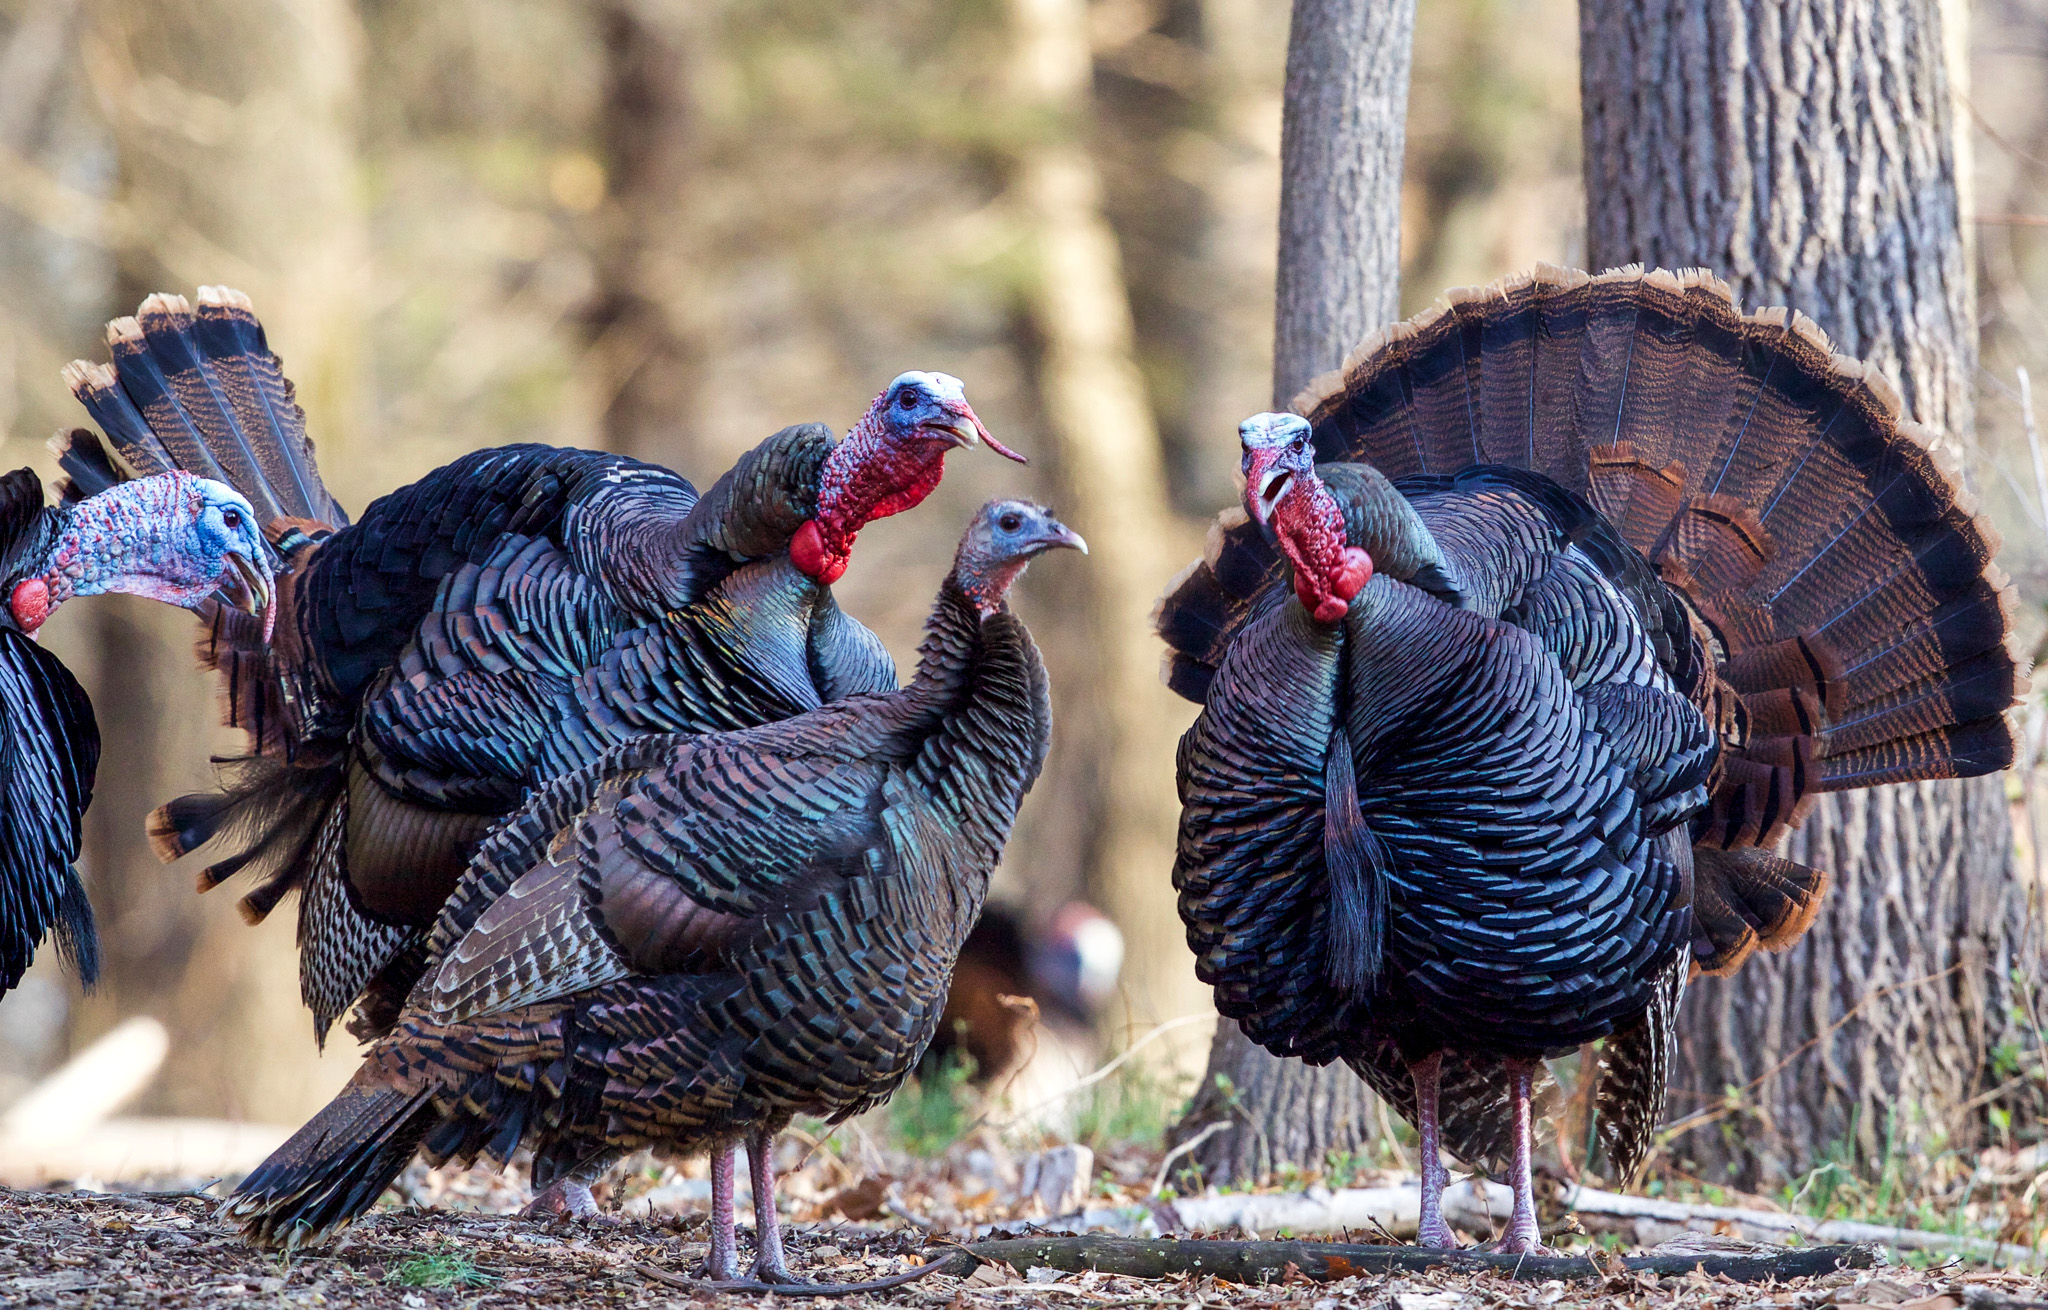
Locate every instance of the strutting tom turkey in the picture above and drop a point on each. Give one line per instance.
(1534, 638)
(175, 538)
(506, 618)
(695, 938)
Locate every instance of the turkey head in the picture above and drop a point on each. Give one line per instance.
(171, 537)
(888, 463)
(1004, 537)
(1283, 493)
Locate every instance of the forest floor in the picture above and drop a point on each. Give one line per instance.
(88, 1249)
(158, 1249)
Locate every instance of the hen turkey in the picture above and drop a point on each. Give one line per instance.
(506, 618)
(695, 938)
(1595, 583)
(174, 538)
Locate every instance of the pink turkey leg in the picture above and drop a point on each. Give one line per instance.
(1521, 1237)
(722, 1261)
(768, 1265)
(1433, 1231)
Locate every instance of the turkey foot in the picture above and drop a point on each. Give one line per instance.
(1432, 1231)
(1520, 1238)
(722, 1261)
(563, 1200)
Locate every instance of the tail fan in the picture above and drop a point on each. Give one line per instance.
(1834, 569)
(200, 390)
(1746, 898)
(334, 1168)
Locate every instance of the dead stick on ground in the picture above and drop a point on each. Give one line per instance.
(1260, 1262)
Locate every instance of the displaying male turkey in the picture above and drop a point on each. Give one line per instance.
(502, 620)
(1510, 757)
(696, 938)
(174, 538)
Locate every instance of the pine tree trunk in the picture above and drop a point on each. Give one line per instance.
(1806, 151)
(1342, 136)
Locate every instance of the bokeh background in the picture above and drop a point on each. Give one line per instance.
(669, 227)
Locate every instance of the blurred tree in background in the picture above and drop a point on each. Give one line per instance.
(670, 228)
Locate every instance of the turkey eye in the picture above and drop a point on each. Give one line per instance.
(231, 517)
(906, 399)
(1009, 522)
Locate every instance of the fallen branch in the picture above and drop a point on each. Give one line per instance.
(1263, 1262)
(1478, 1206)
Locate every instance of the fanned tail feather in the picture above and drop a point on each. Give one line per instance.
(200, 390)
(334, 1168)
(1746, 898)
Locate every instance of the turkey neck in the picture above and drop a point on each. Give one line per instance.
(980, 716)
(750, 513)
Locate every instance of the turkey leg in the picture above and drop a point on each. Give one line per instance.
(768, 1265)
(1433, 1231)
(722, 1261)
(1520, 1239)
(568, 1197)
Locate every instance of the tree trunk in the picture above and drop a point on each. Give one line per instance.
(1342, 135)
(1806, 151)
(233, 131)
(645, 364)
(1112, 488)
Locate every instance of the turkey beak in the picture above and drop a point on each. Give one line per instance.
(963, 427)
(1058, 536)
(257, 591)
(1268, 484)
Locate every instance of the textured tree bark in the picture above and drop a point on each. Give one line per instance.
(1112, 489)
(234, 129)
(1342, 135)
(1806, 151)
(646, 366)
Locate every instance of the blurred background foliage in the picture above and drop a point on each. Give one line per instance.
(670, 227)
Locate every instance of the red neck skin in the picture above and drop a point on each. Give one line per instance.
(1327, 571)
(988, 585)
(870, 475)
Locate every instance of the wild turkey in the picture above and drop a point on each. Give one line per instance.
(1648, 576)
(175, 538)
(1020, 987)
(502, 620)
(695, 938)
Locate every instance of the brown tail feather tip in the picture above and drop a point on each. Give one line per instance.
(1750, 898)
(82, 376)
(225, 296)
(122, 331)
(167, 303)
(166, 842)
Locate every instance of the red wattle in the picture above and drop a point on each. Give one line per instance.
(1353, 571)
(1332, 609)
(807, 552)
(30, 603)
